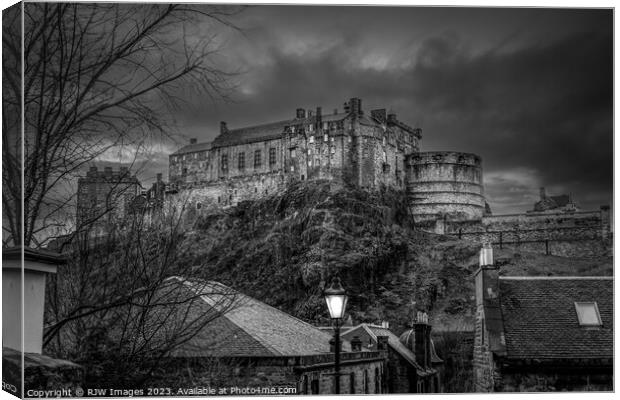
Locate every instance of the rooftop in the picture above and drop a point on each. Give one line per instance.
(251, 329)
(540, 319)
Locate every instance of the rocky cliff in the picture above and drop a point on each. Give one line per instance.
(283, 249)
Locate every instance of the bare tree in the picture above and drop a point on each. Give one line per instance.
(96, 76)
(127, 303)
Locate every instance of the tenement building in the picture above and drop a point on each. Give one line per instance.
(543, 333)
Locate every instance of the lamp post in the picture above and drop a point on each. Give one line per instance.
(336, 299)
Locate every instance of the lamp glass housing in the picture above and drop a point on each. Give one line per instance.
(336, 299)
(336, 305)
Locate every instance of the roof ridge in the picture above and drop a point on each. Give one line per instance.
(232, 130)
(534, 278)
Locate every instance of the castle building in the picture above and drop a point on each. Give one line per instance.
(105, 196)
(366, 150)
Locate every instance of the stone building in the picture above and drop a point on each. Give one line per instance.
(543, 333)
(413, 366)
(561, 203)
(255, 345)
(105, 197)
(367, 150)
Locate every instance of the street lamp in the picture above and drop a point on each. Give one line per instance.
(336, 299)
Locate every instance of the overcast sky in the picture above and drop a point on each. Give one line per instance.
(529, 90)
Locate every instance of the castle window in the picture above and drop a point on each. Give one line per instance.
(310, 128)
(292, 153)
(224, 162)
(292, 168)
(292, 129)
(311, 140)
(325, 125)
(325, 137)
(272, 156)
(257, 159)
(309, 151)
(195, 156)
(333, 150)
(241, 161)
(384, 140)
(332, 139)
(588, 314)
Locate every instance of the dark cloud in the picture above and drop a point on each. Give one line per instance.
(530, 90)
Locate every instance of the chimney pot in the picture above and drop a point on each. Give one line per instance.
(193, 141)
(223, 127)
(93, 169)
(301, 113)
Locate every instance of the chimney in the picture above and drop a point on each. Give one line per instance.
(301, 113)
(391, 119)
(421, 331)
(382, 343)
(309, 113)
(36, 265)
(319, 118)
(487, 277)
(223, 127)
(356, 106)
(159, 177)
(356, 344)
(193, 141)
(543, 193)
(347, 107)
(107, 171)
(335, 111)
(93, 169)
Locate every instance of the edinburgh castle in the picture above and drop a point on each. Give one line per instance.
(373, 151)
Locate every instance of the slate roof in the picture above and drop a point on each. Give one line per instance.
(192, 148)
(251, 329)
(269, 131)
(251, 134)
(540, 321)
(395, 343)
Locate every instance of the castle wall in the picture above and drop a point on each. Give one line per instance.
(445, 183)
(577, 234)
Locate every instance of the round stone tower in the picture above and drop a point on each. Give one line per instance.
(445, 183)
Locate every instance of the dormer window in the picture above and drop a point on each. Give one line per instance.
(587, 314)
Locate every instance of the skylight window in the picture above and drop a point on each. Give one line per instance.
(587, 314)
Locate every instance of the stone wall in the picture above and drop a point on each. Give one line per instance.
(551, 381)
(483, 363)
(361, 373)
(576, 234)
